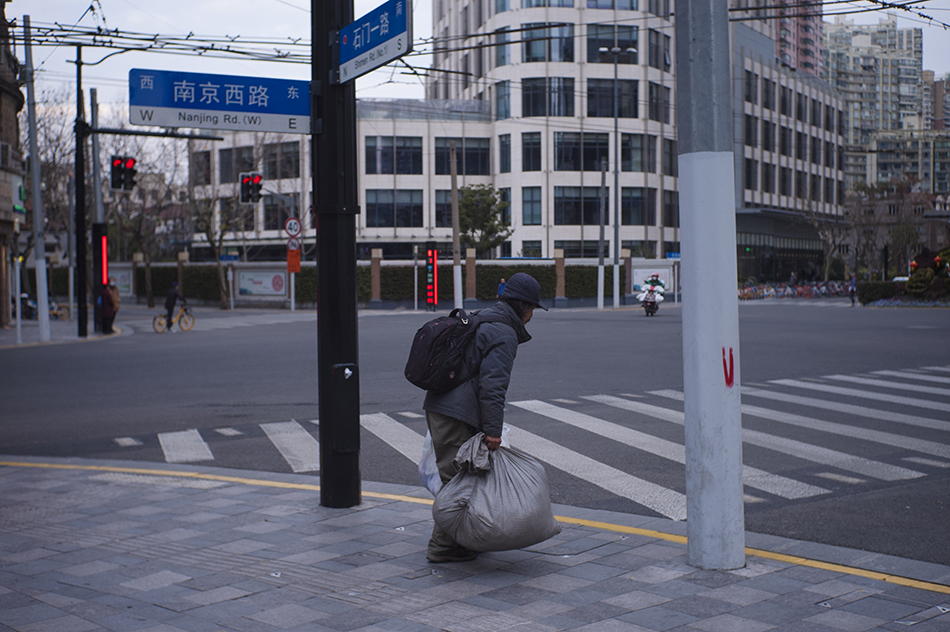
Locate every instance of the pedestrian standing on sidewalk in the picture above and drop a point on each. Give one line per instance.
(501, 288)
(478, 405)
(116, 299)
(852, 289)
(107, 312)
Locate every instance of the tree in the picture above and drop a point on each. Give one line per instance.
(833, 230)
(481, 218)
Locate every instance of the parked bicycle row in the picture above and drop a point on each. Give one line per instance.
(784, 290)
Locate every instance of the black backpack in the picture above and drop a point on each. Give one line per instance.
(437, 356)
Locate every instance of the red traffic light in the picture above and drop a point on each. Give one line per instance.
(256, 178)
(116, 162)
(129, 163)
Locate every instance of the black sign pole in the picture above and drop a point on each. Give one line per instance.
(335, 206)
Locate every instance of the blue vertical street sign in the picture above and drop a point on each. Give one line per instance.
(374, 40)
(223, 102)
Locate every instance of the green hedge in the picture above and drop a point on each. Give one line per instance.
(870, 291)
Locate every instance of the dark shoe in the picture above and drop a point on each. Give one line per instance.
(460, 554)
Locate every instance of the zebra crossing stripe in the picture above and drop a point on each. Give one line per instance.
(853, 392)
(860, 411)
(932, 390)
(753, 477)
(937, 368)
(184, 447)
(667, 502)
(907, 375)
(406, 441)
(801, 450)
(875, 436)
(295, 444)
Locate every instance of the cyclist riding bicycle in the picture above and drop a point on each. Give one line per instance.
(171, 299)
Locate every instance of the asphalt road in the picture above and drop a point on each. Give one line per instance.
(237, 372)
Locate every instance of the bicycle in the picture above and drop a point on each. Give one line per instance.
(184, 319)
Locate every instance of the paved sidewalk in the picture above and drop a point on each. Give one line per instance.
(96, 545)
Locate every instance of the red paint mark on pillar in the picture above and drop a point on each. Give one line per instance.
(728, 371)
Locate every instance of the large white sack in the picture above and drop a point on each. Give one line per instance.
(498, 501)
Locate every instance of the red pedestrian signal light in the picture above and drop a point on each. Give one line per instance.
(122, 174)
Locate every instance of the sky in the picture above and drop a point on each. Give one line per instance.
(278, 19)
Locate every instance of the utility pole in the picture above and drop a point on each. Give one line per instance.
(100, 258)
(600, 241)
(335, 207)
(81, 308)
(715, 523)
(456, 240)
(39, 221)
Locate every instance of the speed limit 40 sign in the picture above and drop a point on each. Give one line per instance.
(292, 226)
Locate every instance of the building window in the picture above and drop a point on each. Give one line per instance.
(659, 104)
(531, 151)
(575, 206)
(658, 50)
(785, 181)
(282, 160)
(528, 4)
(785, 101)
(751, 87)
(638, 206)
(531, 248)
(443, 208)
(801, 146)
(801, 107)
(830, 190)
(504, 153)
(768, 177)
(473, 156)
(380, 208)
(502, 100)
(638, 153)
(785, 141)
(502, 52)
(409, 208)
(600, 36)
(815, 189)
(547, 96)
(501, 6)
(233, 161)
(567, 151)
(576, 249)
(815, 113)
(236, 217)
(751, 174)
(596, 150)
(277, 211)
(543, 42)
(768, 94)
(816, 151)
(829, 154)
(801, 185)
(669, 158)
(622, 5)
(200, 168)
(751, 131)
(671, 209)
(531, 206)
(829, 118)
(379, 154)
(768, 135)
(504, 196)
(600, 98)
(659, 8)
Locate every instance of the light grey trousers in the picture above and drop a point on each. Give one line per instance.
(448, 435)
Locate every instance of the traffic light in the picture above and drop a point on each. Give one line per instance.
(118, 168)
(245, 180)
(123, 173)
(256, 183)
(128, 173)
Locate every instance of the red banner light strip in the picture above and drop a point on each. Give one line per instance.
(105, 260)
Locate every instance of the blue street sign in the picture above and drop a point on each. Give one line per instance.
(672, 255)
(187, 99)
(374, 40)
(227, 257)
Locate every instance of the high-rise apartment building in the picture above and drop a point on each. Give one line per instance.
(798, 32)
(936, 101)
(879, 71)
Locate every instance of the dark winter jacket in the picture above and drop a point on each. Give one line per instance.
(173, 296)
(480, 402)
(108, 307)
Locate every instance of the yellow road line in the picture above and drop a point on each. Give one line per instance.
(603, 526)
